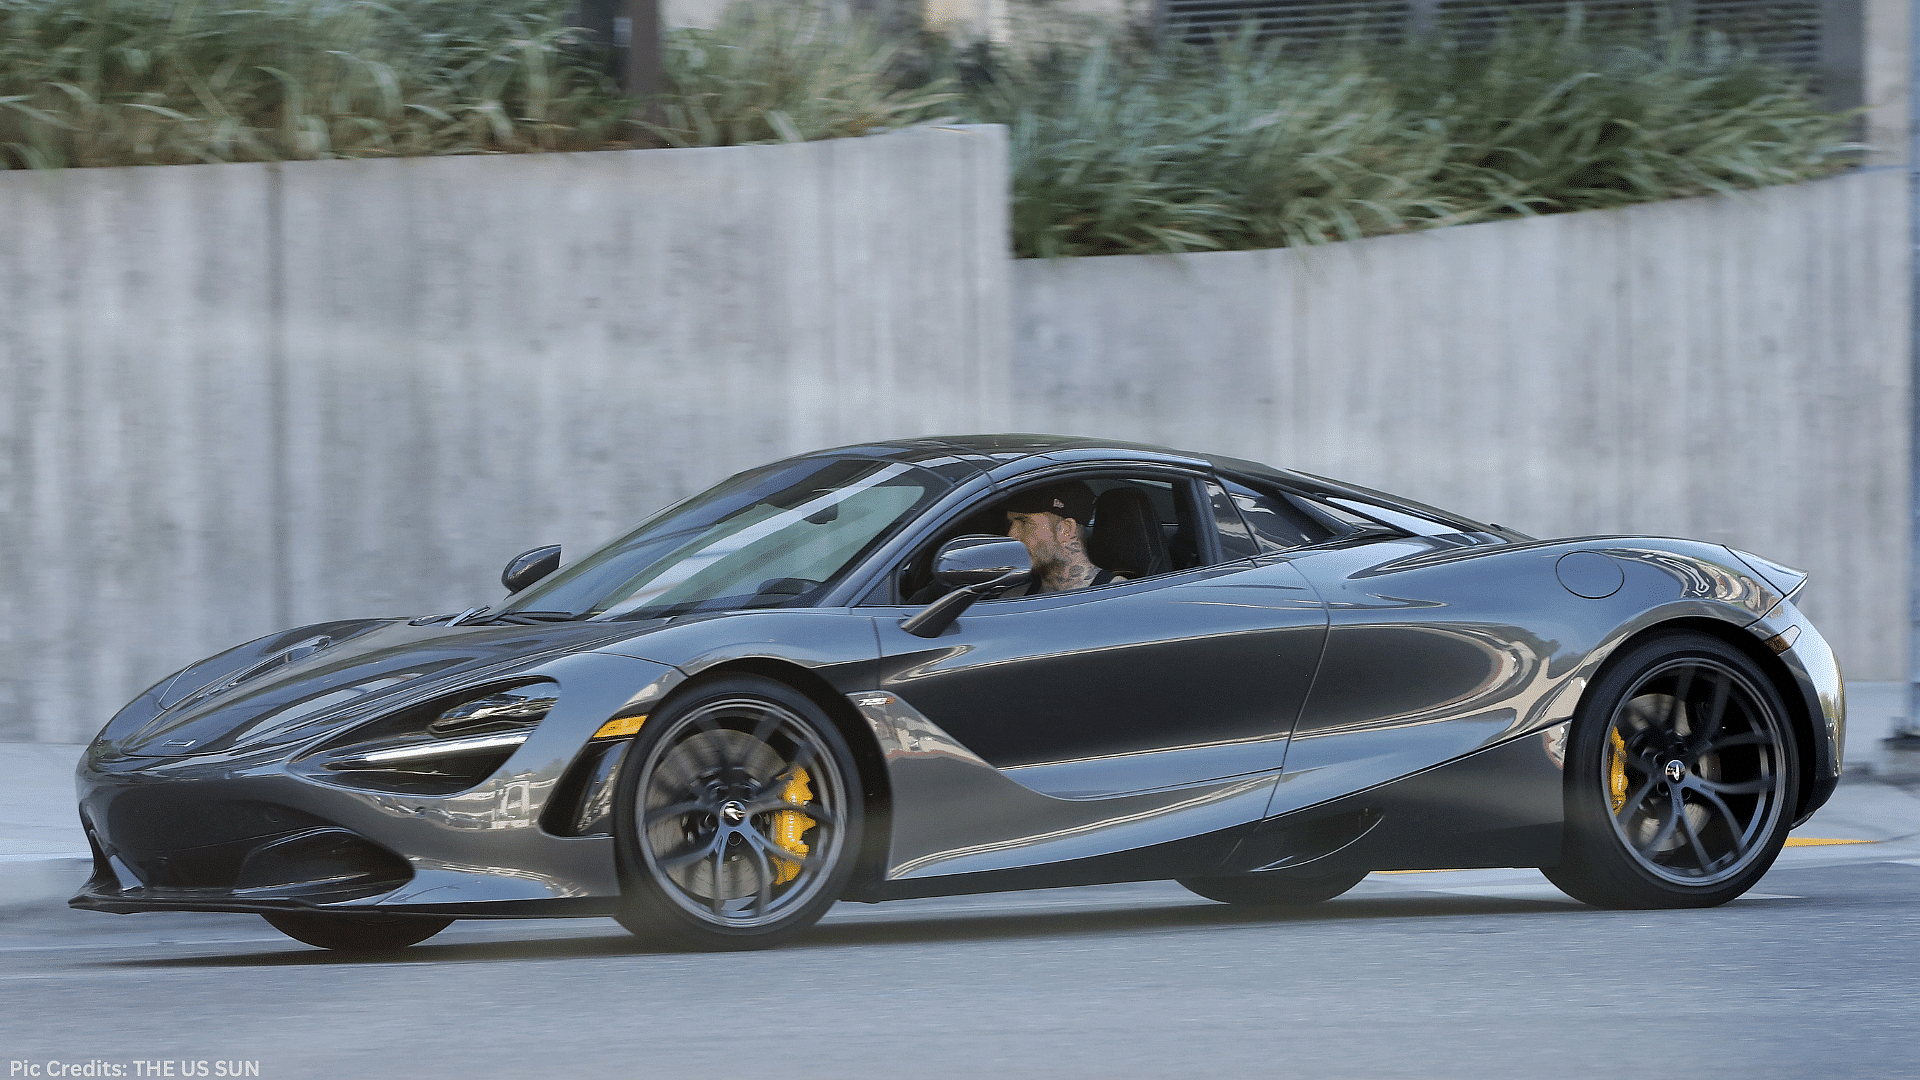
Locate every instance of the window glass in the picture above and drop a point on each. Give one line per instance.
(1169, 514)
(1277, 523)
(765, 538)
(1399, 519)
(1336, 520)
(1236, 539)
(1164, 510)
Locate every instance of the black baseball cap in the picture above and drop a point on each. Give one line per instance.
(1069, 499)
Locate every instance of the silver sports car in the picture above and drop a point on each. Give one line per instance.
(952, 665)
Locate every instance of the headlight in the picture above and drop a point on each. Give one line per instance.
(520, 706)
(438, 748)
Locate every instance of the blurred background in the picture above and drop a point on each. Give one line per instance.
(313, 309)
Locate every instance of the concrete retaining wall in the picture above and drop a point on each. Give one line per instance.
(1733, 370)
(236, 398)
(239, 397)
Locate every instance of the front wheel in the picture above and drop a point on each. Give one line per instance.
(373, 932)
(738, 818)
(1681, 778)
(1276, 888)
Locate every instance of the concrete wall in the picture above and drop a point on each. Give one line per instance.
(1030, 21)
(708, 13)
(236, 398)
(1886, 75)
(239, 397)
(968, 18)
(1733, 370)
(701, 13)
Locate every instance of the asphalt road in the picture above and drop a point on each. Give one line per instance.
(1460, 974)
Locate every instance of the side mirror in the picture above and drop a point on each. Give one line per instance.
(979, 560)
(530, 566)
(973, 566)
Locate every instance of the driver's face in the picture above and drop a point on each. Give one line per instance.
(1040, 532)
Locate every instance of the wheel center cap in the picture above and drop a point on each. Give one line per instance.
(733, 812)
(1676, 771)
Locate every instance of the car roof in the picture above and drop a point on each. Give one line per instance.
(988, 453)
(1003, 456)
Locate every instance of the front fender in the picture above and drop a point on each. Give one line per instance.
(835, 644)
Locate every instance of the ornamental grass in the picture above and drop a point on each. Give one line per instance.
(1119, 144)
(154, 82)
(1120, 149)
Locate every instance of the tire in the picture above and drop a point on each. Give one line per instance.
(1276, 888)
(714, 850)
(373, 932)
(1682, 772)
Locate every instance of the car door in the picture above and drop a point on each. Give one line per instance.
(1174, 679)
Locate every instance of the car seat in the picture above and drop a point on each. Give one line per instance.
(1126, 537)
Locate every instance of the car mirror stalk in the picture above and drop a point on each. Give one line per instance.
(974, 566)
(933, 620)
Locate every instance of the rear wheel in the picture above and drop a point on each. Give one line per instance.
(1276, 888)
(738, 818)
(1681, 778)
(372, 932)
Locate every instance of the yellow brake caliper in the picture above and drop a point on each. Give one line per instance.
(788, 825)
(1617, 769)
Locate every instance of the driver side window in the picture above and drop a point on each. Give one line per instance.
(1137, 527)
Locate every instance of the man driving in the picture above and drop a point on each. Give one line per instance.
(1052, 522)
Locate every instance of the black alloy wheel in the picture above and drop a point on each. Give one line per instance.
(372, 932)
(1276, 888)
(1682, 775)
(738, 818)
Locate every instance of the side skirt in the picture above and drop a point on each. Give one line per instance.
(1180, 858)
(1497, 807)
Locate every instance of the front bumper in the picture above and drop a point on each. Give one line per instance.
(233, 833)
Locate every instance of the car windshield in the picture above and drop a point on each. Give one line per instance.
(766, 538)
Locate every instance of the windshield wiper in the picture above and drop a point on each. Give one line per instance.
(527, 618)
(478, 617)
(451, 619)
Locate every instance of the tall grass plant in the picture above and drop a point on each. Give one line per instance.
(126, 82)
(1121, 144)
(788, 72)
(1120, 148)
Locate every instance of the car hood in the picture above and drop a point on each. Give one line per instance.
(381, 666)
